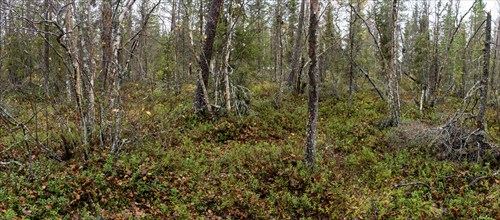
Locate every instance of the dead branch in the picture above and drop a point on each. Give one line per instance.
(475, 181)
(4, 163)
(412, 184)
(7, 117)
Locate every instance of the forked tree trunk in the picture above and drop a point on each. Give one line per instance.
(200, 101)
(312, 122)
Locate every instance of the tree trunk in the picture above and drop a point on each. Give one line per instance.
(174, 32)
(435, 74)
(278, 60)
(144, 37)
(76, 66)
(260, 37)
(200, 103)
(494, 72)
(352, 48)
(297, 49)
(2, 34)
(46, 48)
(117, 70)
(486, 69)
(463, 76)
(227, 55)
(496, 50)
(89, 65)
(106, 27)
(312, 123)
(393, 99)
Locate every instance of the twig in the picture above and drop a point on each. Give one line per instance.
(484, 177)
(429, 195)
(26, 131)
(9, 162)
(412, 184)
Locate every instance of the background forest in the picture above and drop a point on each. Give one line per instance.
(249, 109)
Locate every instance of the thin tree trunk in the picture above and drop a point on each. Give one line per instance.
(297, 49)
(227, 55)
(2, 33)
(77, 70)
(46, 49)
(495, 57)
(144, 38)
(107, 49)
(299, 86)
(174, 31)
(68, 86)
(260, 37)
(200, 104)
(117, 71)
(312, 123)
(486, 69)
(278, 62)
(90, 66)
(494, 72)
(353, 18)
(463, 76)
(435, 74)
(106, 32)
(393, 101)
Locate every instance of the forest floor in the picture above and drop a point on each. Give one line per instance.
(177, 165)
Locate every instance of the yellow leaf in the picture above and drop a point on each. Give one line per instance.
(145, 178)
(103, 43)
(148, 113)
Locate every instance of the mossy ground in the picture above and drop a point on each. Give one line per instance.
(178, 165)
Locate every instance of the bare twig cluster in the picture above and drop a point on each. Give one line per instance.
(460, 138)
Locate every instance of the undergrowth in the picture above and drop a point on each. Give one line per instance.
(180, 165)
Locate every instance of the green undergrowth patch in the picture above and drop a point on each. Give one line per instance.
(185, 166)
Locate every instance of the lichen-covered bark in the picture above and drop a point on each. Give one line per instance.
(393, 99)
(486, 69)
(312, 122)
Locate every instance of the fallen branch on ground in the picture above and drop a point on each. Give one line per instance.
(475, 181)
(412, 184)
(10, 162)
